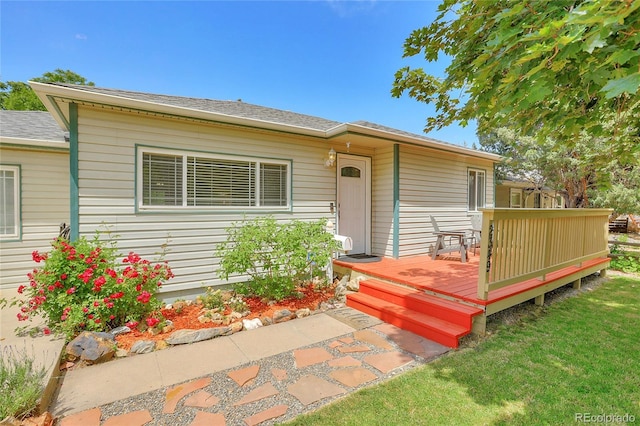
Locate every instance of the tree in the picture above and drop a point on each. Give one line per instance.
(583, 172)
(17, 95)
(549, 68)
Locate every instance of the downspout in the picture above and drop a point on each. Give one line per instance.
(74, 206)
(396, 201)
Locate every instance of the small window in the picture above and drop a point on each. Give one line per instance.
(212, 182)
(477, 188)
(516, 199)
(9, 202)
(353, 172)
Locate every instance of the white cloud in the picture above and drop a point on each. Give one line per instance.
(81, 36)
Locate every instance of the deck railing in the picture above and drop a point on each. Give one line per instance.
(520, 244)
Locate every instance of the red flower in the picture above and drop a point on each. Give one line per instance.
(86, 275)
(111, 273)
(63, 276)
(130, 272)
(112, 317)
(85, 309)
(46, 331)
(37, 257)
(96, 303)
(71, 290)
(144, 297)
(51, 288)
(152, 321)
(90, 316)
(21, 289)
(132, 258)
(132, 324)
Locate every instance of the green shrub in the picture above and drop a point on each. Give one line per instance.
(81, 286)
(276, 256)
(22, 383)
(629, 264)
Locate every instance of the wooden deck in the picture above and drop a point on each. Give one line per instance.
(453, 280)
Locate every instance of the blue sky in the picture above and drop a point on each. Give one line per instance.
(332, 59)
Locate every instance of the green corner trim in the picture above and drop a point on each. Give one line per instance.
(396, 201)
(74, 206)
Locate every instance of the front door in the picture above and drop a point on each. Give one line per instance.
(354, 201)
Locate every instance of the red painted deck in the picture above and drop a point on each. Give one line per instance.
(450, 277)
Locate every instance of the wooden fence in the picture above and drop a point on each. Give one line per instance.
(520, 244)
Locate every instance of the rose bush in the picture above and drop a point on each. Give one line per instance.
(82, 286)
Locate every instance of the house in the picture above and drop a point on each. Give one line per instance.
(34, 189)
(517, 193)
(157, 168)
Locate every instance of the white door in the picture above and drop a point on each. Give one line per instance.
(354, 201)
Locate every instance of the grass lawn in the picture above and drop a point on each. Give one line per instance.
(579, 355)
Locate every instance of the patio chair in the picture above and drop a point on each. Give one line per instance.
(466, 238)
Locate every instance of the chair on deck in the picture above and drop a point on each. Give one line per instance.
(465, 238)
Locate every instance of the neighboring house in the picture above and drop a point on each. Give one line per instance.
(156, 168)
(515, 194)
(34, 189)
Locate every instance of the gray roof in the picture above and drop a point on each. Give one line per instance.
(259, 114)
(37, 125)
(232, 108)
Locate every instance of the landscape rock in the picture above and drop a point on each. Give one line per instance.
(91, 347)
(353, 285)
(179, 305)
(252, 324)
(304, 312)
(161, 344)
(123, 329)
(266, 320)
(236, 326)
(181, 337)
(282, 315)
(143, 347)
(121, 353)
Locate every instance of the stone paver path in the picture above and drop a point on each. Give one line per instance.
(273, 389)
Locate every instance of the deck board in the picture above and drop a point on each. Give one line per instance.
(450, 277)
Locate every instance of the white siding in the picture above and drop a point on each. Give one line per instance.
(434, 183)
(107, 142)
(44, 204)
(382, 202)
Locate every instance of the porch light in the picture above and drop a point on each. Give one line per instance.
(332, 158)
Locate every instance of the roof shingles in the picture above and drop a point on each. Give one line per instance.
(36, 125)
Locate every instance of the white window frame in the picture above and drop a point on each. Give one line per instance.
(16, 203)
(257, 162)
(512, 192)
(476, 207)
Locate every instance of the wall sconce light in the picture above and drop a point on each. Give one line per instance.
(332, 158)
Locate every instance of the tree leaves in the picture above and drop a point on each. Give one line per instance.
(549, 68)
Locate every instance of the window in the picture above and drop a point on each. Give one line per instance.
(9, 202)
(516, 198)
(208, 181)
(476, 181)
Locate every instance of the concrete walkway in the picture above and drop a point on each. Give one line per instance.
(261, 376)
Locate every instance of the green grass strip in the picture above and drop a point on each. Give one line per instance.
(580, 357)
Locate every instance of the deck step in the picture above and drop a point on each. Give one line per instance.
(416, 300)
(436, 329)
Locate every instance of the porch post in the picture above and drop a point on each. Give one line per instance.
(396, 201)
(74, 191)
